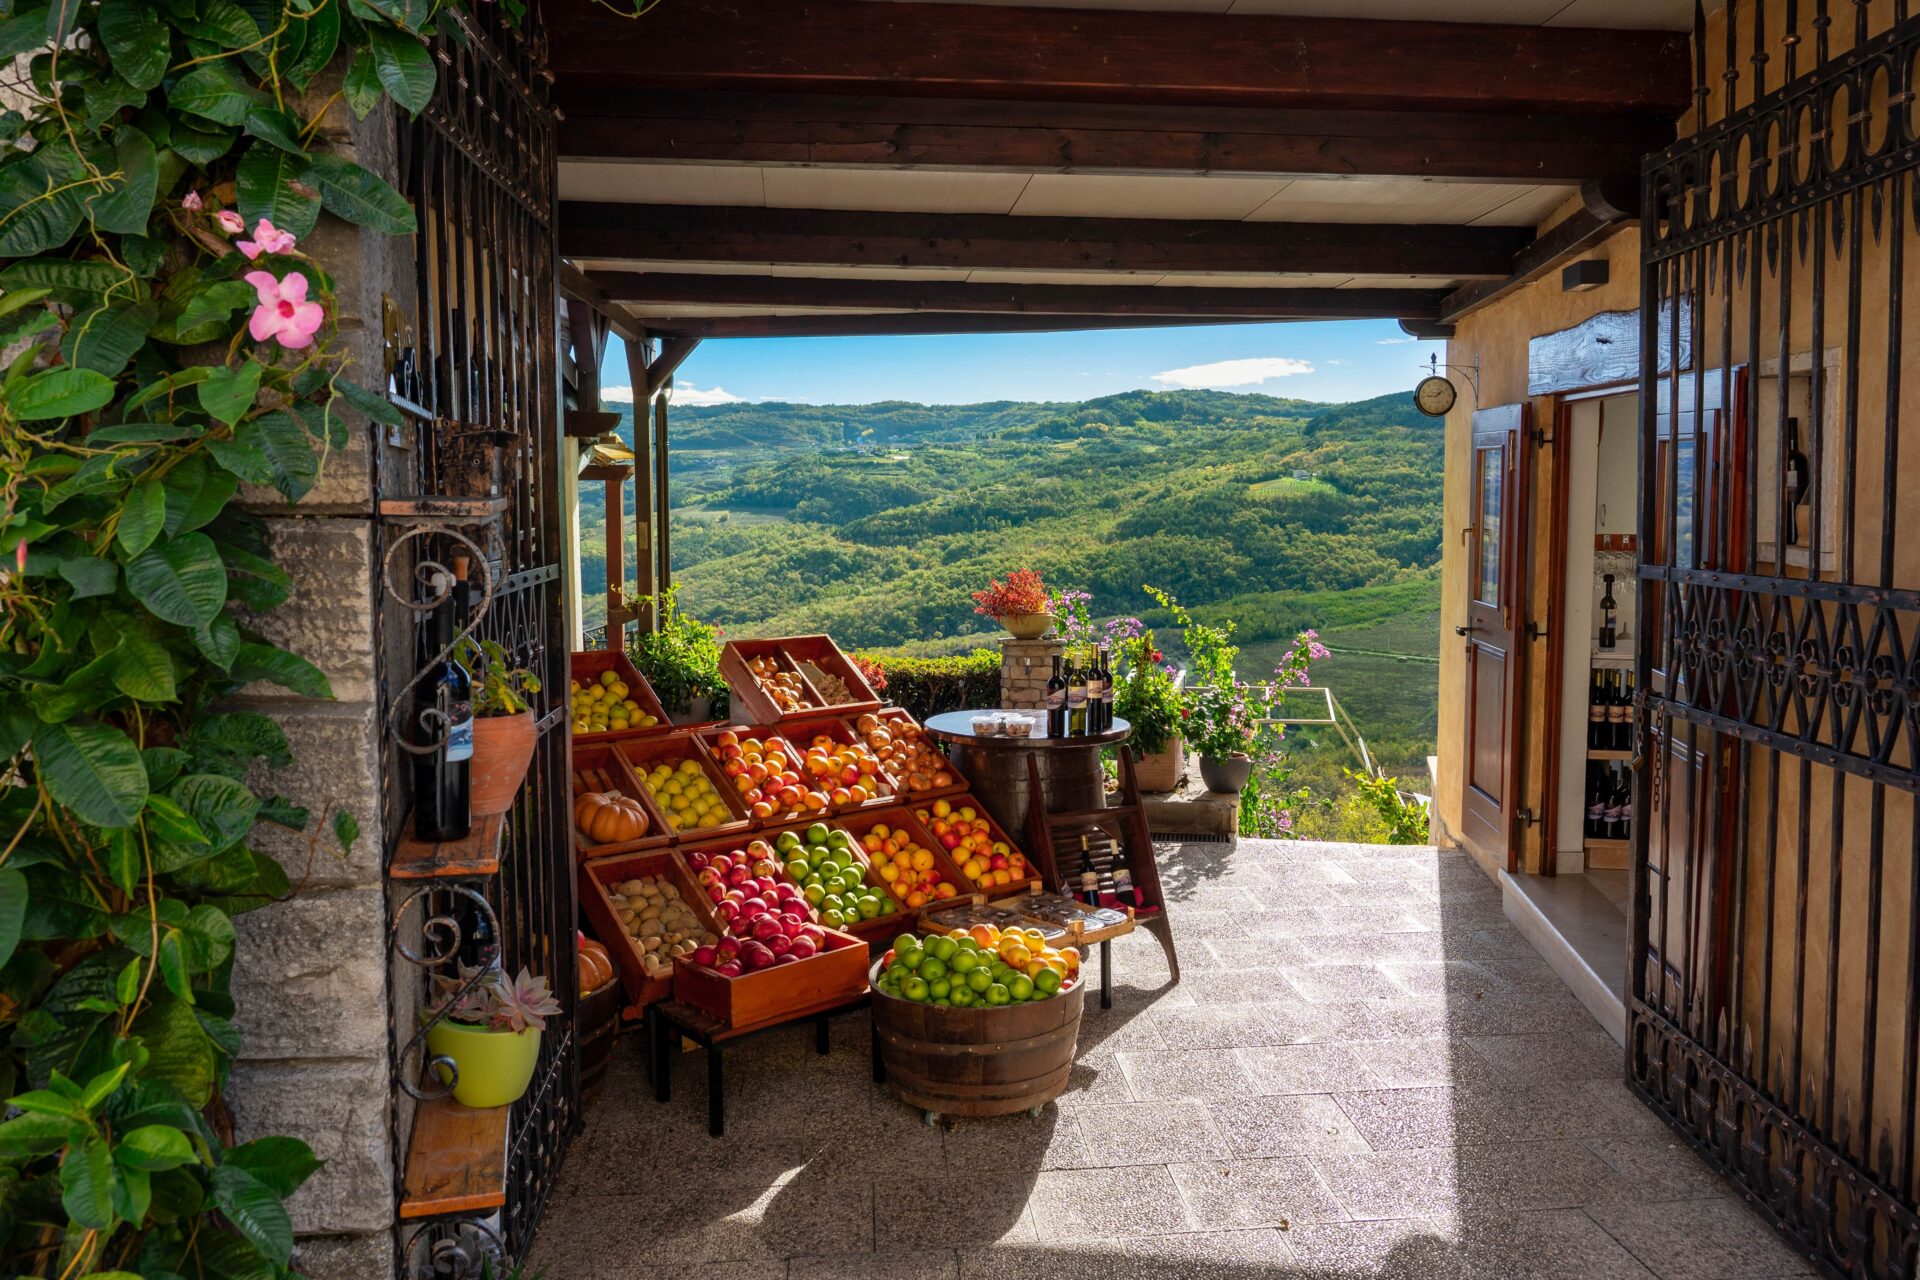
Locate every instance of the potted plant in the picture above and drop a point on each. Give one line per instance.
(1146, 694)
(1019, 604)
(489, 1026)
(680, 658)
(504, 728)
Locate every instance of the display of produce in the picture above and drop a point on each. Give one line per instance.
(605, 705)
(964, 915)
(981, 966)
(845, 772)
(829, 686)
(596, 966)
(685, 796)
(659, 921)
(911, 870)
(906, 753)
(1057, 908)
(768, 780)
(831, 876)
(786, 688)
(967, 835)
(752, 895)
(607, 817)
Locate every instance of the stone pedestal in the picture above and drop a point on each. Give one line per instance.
(1025, 667)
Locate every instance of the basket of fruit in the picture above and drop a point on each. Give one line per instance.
(986, 857)
(838, 764)
(607, 698)
(764, 769)
(684, 785)
(647, 909)
(837, 880)
(744, 982)
(911, 760)
(977, 1022)
(611, 812)
(909, 861)
(776, 680)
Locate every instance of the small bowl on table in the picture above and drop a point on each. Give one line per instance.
(989, 726)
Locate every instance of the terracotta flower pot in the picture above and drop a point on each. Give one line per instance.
(1229, 775)
(1027, 626)
(502, 750)
(1161, 770)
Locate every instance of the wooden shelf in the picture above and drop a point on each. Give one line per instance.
(456, 1160)
(1595, 753)
(1609, 846)
(443, 508)
(1617, 658)
(478, 854)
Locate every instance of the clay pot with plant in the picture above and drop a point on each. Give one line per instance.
(504, 732)
(489, 1027)
(1020, 604)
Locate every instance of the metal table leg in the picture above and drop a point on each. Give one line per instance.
(1106, 974)
(716, 1094)
(820, 1045)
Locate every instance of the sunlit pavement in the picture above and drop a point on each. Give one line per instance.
(1365, 1071)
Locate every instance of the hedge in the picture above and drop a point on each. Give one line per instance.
(927, 686)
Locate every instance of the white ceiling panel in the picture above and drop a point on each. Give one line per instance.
(661, 183)
(1091, 195)
(1399, 282)
(1529, 207)
(1262, 280)
(710, 310)
(1063, 277)
(1403, 200)
(772, 269)
(1635, 15)
(893, 190)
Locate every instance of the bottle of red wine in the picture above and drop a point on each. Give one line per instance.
(1597, 711)
(1106, 689)
(1057, 702)
(1096, 693)
(1596, 802)
(1076, 699)
(1608, 624)
(443, 713)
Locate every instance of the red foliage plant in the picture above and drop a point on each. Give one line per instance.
(875, 674)
(1022, 592)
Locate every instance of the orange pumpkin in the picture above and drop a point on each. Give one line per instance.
(609, 818)
(595, 969)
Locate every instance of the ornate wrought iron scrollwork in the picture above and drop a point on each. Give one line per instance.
(468, 1249)
(443, 936)
(428, 573)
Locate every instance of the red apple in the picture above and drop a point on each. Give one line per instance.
(699, 861)
(731, 969)
(721, 863)
(778, 944)
(950, 840)
(716, 894)
(737, 876)
(766, 927)
(1000, 862)
(705, 955)
(785, 957)
(802, 947)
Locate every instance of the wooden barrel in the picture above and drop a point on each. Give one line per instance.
(598, 1025)
(977, 1061)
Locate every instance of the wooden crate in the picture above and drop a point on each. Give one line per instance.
(780, 817)
(751, 702)
(897, 722)
(966, 800)
(603, 769)
(595, 876)
(832, 976)
(589, 664)
(802, 732)
(859, 824)
(642, 753)
(739, 842)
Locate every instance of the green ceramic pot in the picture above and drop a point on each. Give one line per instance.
(495, 1066)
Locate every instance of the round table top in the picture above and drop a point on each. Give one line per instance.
(957, 726)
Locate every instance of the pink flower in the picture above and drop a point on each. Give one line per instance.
(284, 312)
(230, 222)
(267, 238)
(20, 555)
(192, 201)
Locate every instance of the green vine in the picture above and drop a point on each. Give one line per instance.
(169, 341)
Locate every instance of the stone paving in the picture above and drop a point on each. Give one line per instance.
(1364, 1072)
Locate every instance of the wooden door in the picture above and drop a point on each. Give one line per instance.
(1495, 553)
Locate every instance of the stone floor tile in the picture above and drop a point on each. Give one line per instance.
(1368, 948)
(1429, 1060)
(1342, 982)
(1660, 1169)
(1555, 1245)
(1304, 1068)
(912, 1264)
(1277, 1192)
(1240, 987)
(1442, 978)
(1076, 1204)
(1209, 1027)
(1051, 1140)
(1298, 1125)
(1255, 953)
(1164, 1074)
(1716, 1239)
(920, 1213)
(1150, 1133)
(1399, 1249)
(1577, 1054)
(1214, 1255)
(1395, 1119)
(1392, 1184)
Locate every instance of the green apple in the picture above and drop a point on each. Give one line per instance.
(997, 994)
(816, 834)
(939, 988)
(980, 980)
(786, 840)
(1021, 988)
(963, 996)
(916, 989)
(798, 871)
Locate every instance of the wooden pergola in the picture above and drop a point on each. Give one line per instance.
(768, 168)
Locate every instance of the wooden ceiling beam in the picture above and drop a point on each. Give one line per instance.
(673, 353)
(1605, 208)
(832, 237)
(1163, 58)
(895, 323)
(1113, 138)
(637, 288)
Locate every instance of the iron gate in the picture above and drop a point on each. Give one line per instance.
(1775, 958)
(476, 367)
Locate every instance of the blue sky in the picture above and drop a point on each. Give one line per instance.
(1328, 361)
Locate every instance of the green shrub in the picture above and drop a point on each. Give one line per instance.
(925, 687)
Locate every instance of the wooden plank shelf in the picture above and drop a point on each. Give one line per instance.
(477, 854)
(443, 508)
(1597, 753)
(456, 1160)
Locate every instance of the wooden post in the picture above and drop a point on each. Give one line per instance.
(616, 571)
(638, 363)
(662, 506)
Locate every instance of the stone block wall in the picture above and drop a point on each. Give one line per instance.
(1025, 668)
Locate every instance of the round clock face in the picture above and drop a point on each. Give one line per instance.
(1434, 396)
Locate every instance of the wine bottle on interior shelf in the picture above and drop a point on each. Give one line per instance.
(1056, 702)
(1620, 714)
(443, 713)
(1609, 635)
(1096, 695)
(1596, 801)
(1796, 480)
(1076, 698)
(1619, 804)
(1597, 711)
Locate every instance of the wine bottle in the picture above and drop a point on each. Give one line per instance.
(1106, 689)
(479, 947)
(1596, 801)
(1608, 623)
(1056, 702)
(443, 713)
(1796, 480)
(1616, 810)
(1096, 693)
(1597, 711)
(1076, 699)
(1622, 714)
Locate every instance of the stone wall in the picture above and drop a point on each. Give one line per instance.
(310, 976)
(1025, 668)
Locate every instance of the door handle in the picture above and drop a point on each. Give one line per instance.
(1465, 631)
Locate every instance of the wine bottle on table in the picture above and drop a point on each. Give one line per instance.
(1609, 634)
(443, 714)
(1106, 689)
(1057, 702)
(1096, 695)
(1076, 699)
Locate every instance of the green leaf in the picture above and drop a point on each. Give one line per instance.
(214, 305)
(196, 493)
(255, 1211)
(90, 576)
(169, 385)
(170, 824)
(50, 1102)
(288, 670)
(106, 339)
(23, 34)
(362, 85)
(181, 1053)
(182, 581)
(74, 282)
(271, 184)
(323, 37)
(132, 1194)
(276, 128)
(14, 299)
(142, 668)
(233, 741)
(228, 393)
(137, 41)
(282, 1164)
(93, 770)
(13, 910)
(126, 204)
(219, 641)
(60, 905)
(255, 581)
(144, 433)
(86, 1183)
(374, 405)
(223, 808)
(142, 517)
(154, 1147)
(43, 210)
(213, 91)
(60, 393)
(125, 864)
(35, 1134)
(102, 1086)
(346, 831)
(279, 435)
(244, 460)
(350, 192)
(206, 936)
(222, 22)
(173, 966)
(404, 66)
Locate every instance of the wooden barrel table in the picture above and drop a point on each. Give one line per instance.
(996, 770)
(980, 1061)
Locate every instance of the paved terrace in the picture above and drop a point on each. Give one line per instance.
(1365, 1072)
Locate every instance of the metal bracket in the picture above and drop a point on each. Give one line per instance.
(1534, 631)
(1470, 371)
(1527, 817)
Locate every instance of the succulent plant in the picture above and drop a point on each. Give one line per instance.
(495, 1001)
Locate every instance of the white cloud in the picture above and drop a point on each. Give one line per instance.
(1233, 373)
(1394, 342)
(684, 394)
